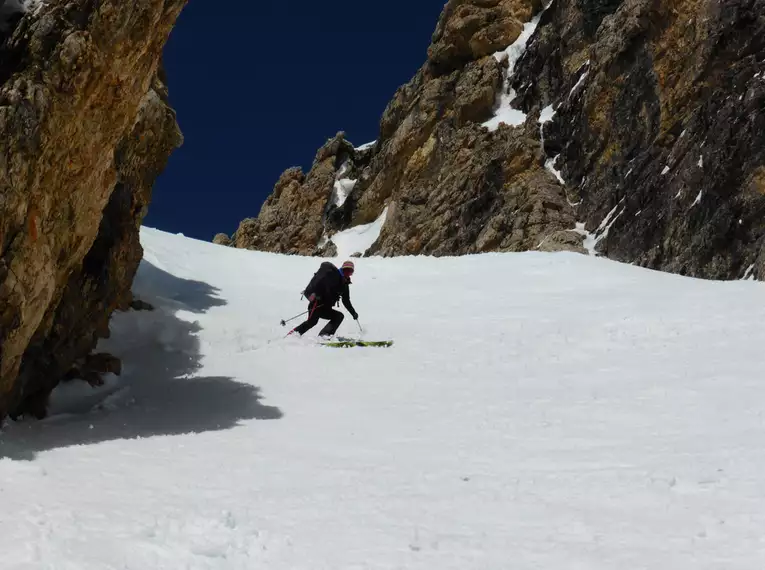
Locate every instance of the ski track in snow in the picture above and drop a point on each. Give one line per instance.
(538, 411)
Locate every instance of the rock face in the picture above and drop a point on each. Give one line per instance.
(292, 219)
(664, 128)
(641, 123)
(85, 128)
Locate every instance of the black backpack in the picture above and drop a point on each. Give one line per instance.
(325, 269)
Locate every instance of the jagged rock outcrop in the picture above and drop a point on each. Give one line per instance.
(85, 128)
(222, 239)
(642, 123)
(452, 186)
(292, 220)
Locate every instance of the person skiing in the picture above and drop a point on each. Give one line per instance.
(327, 287)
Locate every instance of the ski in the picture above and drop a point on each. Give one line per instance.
(349, 343)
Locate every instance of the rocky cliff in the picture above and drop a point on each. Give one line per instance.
(85, 127)
(630, 128)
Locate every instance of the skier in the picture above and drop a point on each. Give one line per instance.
(328, 286)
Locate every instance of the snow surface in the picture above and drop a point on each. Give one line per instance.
(343, 186)
(590, 240)
(550, 166)
(505, 112)
(547, 115)
(359, 239)
(538, 411)
(366, 145)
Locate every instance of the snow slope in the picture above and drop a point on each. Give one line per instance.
(359, 239)
(538, 411)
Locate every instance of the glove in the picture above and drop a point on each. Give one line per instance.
(312, 298)
(355, 316)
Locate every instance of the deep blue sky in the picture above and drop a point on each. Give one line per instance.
(260, 85)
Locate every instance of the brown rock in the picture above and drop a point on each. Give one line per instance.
(83, 130)
(565, 240)
(329, 249)
(470, 30)
(222, 239)
(666, 127)
(291, 220)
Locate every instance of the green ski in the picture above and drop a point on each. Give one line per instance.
(349, 343)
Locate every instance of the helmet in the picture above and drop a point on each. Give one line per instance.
(348, 267)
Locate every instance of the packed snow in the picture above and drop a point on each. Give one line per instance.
(359, 239)
(538, 411)
(505, 113)
(343, 186)
(547, 115)
(590, 239)
(550, 166)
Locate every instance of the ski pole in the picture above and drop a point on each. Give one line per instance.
(361, 329)
(284, 323)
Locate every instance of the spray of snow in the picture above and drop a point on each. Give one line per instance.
(505, 112)
(359, 238)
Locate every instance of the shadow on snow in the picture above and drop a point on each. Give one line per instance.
(158, 394)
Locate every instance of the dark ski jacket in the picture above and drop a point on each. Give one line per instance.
(330, 285)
